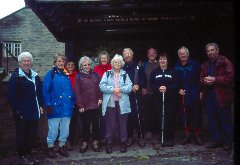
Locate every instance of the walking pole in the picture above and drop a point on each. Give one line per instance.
(139, 120)
(136, 100)
(162, 117)
(185, 116)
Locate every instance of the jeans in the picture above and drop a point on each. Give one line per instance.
(55, 124)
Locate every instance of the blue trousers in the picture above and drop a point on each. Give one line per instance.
(219, 120)
(55, 124)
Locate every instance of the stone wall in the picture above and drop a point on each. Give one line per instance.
(25, 26)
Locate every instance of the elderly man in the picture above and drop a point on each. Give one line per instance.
(189, 107)
(135, 116)
(216, 78)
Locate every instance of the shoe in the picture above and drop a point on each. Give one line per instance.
(33, 158)
(51, 153)
(141, 142)
(109, 148)
(227, 147)
(148, 136)
(167, 144)
(129, 141)
(25, 160)
(198, 140)
(170, 144)
(63, 151)
(187, 139)
(214, 146)
(84, 147)
(96, 146)
(123, 148)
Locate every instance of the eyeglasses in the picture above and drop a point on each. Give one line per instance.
(117, 62)
(86, 65)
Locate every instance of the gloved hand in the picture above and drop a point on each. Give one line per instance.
(49, 109)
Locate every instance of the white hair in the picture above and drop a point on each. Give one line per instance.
(82, 60)
(24, 55)
(186, 50)
(129, 49)
(118, 57)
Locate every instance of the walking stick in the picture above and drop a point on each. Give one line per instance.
(136, 100)
(185, 116)
(162, 117)
(139, 120)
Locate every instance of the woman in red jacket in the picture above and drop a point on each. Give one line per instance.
(101, 68)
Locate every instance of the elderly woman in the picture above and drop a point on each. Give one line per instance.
(116, 85)
(88, 99)
(59, 100)
(104, 63)
(25, 97)
(101, 68)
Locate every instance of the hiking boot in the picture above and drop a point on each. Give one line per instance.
(198, 140)
(63, 151)
(33, 158)
(227, 147)
(129, 141)
(141, 142)
(148, 136)
(84, 147)
(186, 139)
(24, 160)
(51, 153)
(214, 145)
(109, 148)
(96, 146)
(123, 148)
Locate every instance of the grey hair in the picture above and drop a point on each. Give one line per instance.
(131, 51)
(118, 57)
(23, 55)
(58, 55)
(103, 53)
(186, 49)
(212, 44)
(82, 60)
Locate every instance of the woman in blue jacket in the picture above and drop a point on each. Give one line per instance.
(25, 97)
(116, 86)
(164, 83)
(59, 100)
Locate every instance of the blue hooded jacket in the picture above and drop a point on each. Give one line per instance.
(58, 93)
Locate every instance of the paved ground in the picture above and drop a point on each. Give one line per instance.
(152, 154)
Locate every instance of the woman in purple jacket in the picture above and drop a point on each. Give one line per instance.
(88, 99)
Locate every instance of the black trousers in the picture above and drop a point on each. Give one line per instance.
(150, 114)
(90, 117)
(135, 117)
(26, 133)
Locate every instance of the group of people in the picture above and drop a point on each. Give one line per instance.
(119, 97)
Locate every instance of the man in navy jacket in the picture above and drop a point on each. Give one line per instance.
(189, 96)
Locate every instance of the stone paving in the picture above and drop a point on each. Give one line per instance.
(152, 154)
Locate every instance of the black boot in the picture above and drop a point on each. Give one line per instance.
(63, 151)
(187, 138)
(51, 153)
(198, 140)
(109, 148)
(123, 148)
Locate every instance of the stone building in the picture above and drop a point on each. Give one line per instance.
(23, 31)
